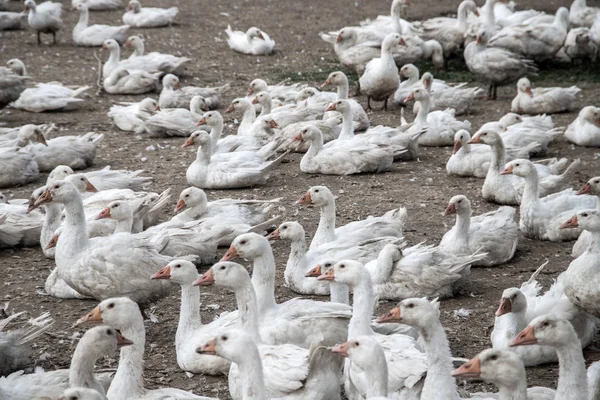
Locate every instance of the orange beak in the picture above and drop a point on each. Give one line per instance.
(327, 276)
(207, 279)
(479, 40)
(274, 124)
(326, 83)
(180, 205)
(391, 316)
(250, 91)
(208, 348)
(475, 139)
(297, 138)
(46, 197)
(306, 199)
(526, 337)
(476, 12)
(314, 273)
(504, 308)
(507, 171)
(231, 108)
(93, 317)
(104, 214)
(41, 139)
(341, 349)
(178, 86)
(571, 223)
(230, 255)
(90, 188)
(201, 122)
(255, 100)
(339, 38)
(74, 8)
(260, 36)
(189, 142)
(457, 146)
(451, 209)
(409, 97)
(586, 189)
(529, 91)
(127, 43)
(53, 241)
(331, 107)
(403, 43)
(123, 341)
(163, 273)
(274, 235)
(470, 369)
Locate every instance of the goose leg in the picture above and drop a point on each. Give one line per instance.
(368, 103)
(385, 103)
(54, 36)
(490, 91)
(39, 37)
(495, 91)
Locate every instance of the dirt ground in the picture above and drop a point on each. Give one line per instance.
(422, 187)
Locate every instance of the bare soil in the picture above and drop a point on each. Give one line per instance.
(422, 187)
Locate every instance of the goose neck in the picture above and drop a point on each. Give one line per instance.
(421, 118)
(342, 90)
(263, 281)
(488, 13)
(124, 225)
(203, 155)
(517, 390)
(245, 298)
(347, 131)
(74, 236)
(377, 376)
(531, 192)
(189, 314)
(572, 375)
(114, 56)
(498, 157)
(51, 222)
(127, 382)
(462, 16)
(266, 107)
(296, 263)
(383, 270)
(215, 134)
(362, 308)
(249, 115)
(81, 371)
(339, 293)
(463, 224)
(138, 48)
(251, 371)
(83, 18)
(439, 363)
(326, 229)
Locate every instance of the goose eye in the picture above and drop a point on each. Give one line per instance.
(516, 165)
(598, 181)
(224, 338)
(460, 201)
(108, 332)
(410, 305)
(284, 227)
(223, 268)
(342, 266)
(316, 190)
(243, 242)
(356, 344)
(81, 179)
(116, 205)
(178, 266)
(584, 214)
(111, 305)
(546, 324)
(485, 134)
(494, 357)
(56, 186)
(187, 195)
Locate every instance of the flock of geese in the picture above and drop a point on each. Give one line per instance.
(103, 227)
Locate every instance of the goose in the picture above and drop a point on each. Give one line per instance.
(191, 331)
(286, 115)
(52, 222)
(538, 42)
(540, 218)
(123, 314)
(406, 364)
(542, 100)
(495, 233)
(20, 167)
(284, 93)
(389, 224)
(410, 82)
(76, 393)
(582, 15)
(330, 128)
(321, 383)
(148, 17)
(393, 22)
(441, 125)
(380, 78)
(99, 5)
(121, 81)
(474, 159)
(133, 65)
(585, 130)
(12, 21)
(44, 18)
(557, 332)
(130, 117)
(21, 228)
(449, 32)
(52, 96)
(78, 258)
(26, 134)
(339, 80)
(495, 65)
(298, 321)
(223, 174)
(519, 306)
(248, 118)
(592, 187)
(105, 178)
(94, 35)
(580, 45)
(458, 97)
(11, 86)
(499, 188)
(354, 52)
(311, 95)
(173, 95)
(580, 277)
(505, 370)
(178, 122)
(252, 42)
(159, 61)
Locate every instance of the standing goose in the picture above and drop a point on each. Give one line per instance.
(585, 130)
(94, 35)
(542, 100)
(592, 187)
(252, 42)
(173, 95)
(44, 18)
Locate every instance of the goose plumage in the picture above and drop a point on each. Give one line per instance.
(167, 63)
(130, 117)
(585, 130)
(173, 95)
(592, 187)
(252, 42)
(95, 35)
(542, 100)
(148, 17)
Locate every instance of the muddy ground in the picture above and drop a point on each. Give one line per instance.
(422, 187)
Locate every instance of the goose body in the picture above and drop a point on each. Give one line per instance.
(77, 152)
(170, 122)
(174, 96)
(592, 187)
(11, 86)
(458, 97)
(253, 42)
(125, 115)
(148, 17)
(10, 21)
(121, 81)
(542, 100)
(585, 130)
(20, 167)
(95, 35)
(153, 61)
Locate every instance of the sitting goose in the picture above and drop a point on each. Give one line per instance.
(339, 80)
(99, 5)
(289, 114)
(143, 63)
(44, 18)
(252, 42)
(580, 45)
(19, 166)
(95, 35)
(51, 96)
(181, 122)
(458, 97)
(148, 17)
(582, 15)
(121, 81)
(410, 81)
(281, 92)
(175, 96)
(495, 233)
(129, 117)
(542, 100)
(495, 65)
(585, 130)
(12, 21)
(592, 187)
(11, 86)
(167, 63)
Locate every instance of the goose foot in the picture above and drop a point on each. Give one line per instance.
(54, 36)
(369, 103)
(385, 103)
(39, 34)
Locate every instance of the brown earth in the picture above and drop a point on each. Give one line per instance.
(422, 187)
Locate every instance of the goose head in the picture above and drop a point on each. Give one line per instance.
(591, 114)
(546, 330)
(519, 167)
(182, 272)
(337, 78)
(59, 191)
(510, 119)
(211, 118)
(305, 94)
(149, 105)
(419, 94)
(198, 104)
(262, 98)
(500, 367)
(562, 17)
(192, 197)
(227, 274)
(524, 86)
(35, 195)
(461, 137)
(488, 137)
(103, 340)
(289, 230)
(310, 134)
(110, 45)
(434, 50)
(17, 66)
(513, 300)
(318, 195)
(348, 272)
(118, 210)
(347, 36)
(81, 393)
(119, 312)
(342, 106)
(588, 220)
(171, 82)
(398, 6)
(409, 71)
(232, 345)
(30, 5)
(134, 41)
(31, 133)
(201, 138)
(239, 104)
(248, 245)
(392, 41)
(415, 312)
(458, 204)
(427, 80)
(361, 350)
(81, 183)
(591, 187)
(81, 7)
(468, 6)
(254, 33)
(59, 173)
(134, 5)
(482, 37)
(257, 86)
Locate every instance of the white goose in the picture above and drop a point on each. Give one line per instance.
(12, 21)
(95, 35)
(582, 15)
(339, 80)
(121, 81)
(20, 167)
(129, 117)
(330, 128)
(410, 82)
(495, 233)
(286, 115)
(458, 97)
(99, 5)
(178, 122)
(105, 178)
(592, 187)
(284, 93)
(542, 100)
(248, 117)
(173, 95)
(541, 218)
(580, 45)
(585, 130)
(44, 18)
(158, 61)
(148, 17)
(253, 41)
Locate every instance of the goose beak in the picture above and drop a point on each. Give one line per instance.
(255, 100)
(451, 209)
(230, 255)
(331, 107)
(409, 97)
(177, 86)
(74, 8)
(571, 223)
(391, 316)
(314, 273)
(274, 235)
(90, 188)
(180, 206)
(41, 139)
(306, 199)
(341, 349)
(230, 108)
(123, 341)
(261, 36)
(470, 369)
(250, 91)
(529, 92)
(201, 122)
(479, 40)
(127, 42)
(457, 146)
(274, 124)
(474, 140)
(163, 273)
(104, 214)
(327, 276)
(207, 279)
(189, 142)
(46, 197)
(507, 171)
(526, 337)
(476, 12)
(327, 83)
(209, 348)
(93, 317)
(402, 43)
(53, 241)
(504, 308)
(31, 206)
(339, 38)
(586, 189)
(297, 138)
